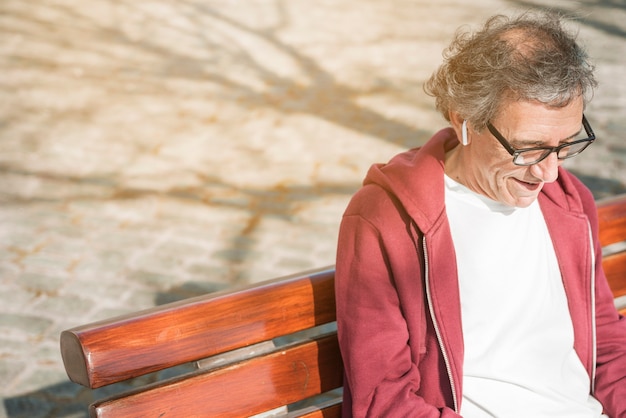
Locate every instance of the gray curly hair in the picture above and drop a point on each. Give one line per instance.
(529, 57)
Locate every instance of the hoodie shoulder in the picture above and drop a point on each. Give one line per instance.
(414, 179)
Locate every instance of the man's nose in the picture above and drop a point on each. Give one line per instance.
(547, 169)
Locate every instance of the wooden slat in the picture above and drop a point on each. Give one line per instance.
(612, 219)
(243, 389)
(109, 351)
(333, 411)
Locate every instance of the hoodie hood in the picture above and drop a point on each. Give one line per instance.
(403, 177)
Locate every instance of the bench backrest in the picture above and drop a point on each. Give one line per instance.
(263, 373)
(612, 219)
(258, 348)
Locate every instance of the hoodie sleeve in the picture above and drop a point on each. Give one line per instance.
(381, 374)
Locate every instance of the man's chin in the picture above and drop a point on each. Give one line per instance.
(524, 201)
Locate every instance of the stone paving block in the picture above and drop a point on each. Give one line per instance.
(14, 297)
(102, 264)
(26, 324)
(62, 304)
(42, 378)
(36, 283)
(207, 270)
(96, 285)
(151, 279)
(11, 366)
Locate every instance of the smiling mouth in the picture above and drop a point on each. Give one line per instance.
(528, 185)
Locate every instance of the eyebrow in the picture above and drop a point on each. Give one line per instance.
(522, 143)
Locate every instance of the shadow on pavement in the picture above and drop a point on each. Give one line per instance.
(63, 400)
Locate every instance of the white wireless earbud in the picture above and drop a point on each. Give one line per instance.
(464, 133)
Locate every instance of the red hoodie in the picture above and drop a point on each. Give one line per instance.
(398, 307)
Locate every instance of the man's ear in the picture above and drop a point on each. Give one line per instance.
(460, 128)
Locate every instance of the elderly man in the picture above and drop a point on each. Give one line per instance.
(468, 274)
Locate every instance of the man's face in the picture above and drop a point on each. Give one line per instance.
(525, 124)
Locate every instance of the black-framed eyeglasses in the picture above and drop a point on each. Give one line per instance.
(530, 156)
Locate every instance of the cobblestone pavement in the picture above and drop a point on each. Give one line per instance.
(154, 150)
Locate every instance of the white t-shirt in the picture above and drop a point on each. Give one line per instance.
(517, 330)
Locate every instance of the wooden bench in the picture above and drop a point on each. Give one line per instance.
(612, 219)
(267, 347)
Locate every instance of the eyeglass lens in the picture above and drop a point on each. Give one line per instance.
(533, 156)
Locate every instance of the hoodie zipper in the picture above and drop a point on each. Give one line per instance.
(593, 309)
(436, 326)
